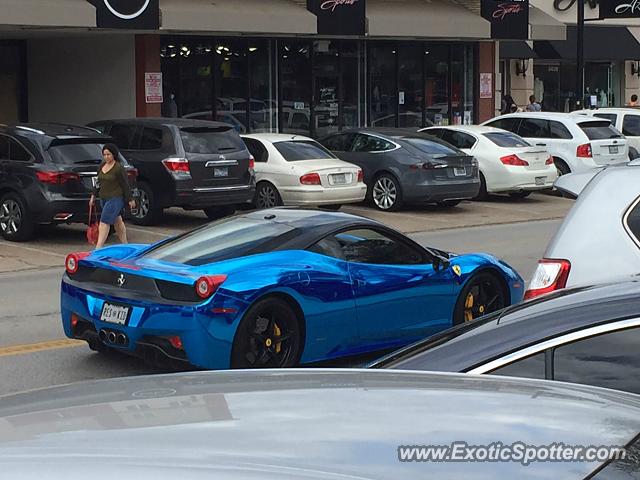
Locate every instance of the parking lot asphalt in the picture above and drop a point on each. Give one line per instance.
(54, 243)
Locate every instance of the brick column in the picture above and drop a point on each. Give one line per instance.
(147, 60)
(487, 64)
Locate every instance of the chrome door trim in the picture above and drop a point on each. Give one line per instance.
(221, 163)
(222, 189)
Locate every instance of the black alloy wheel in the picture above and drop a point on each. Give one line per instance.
(269, 336)
(15, 223)
(482, 295)
(267, 196)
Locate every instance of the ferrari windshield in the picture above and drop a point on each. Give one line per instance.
(229, 238)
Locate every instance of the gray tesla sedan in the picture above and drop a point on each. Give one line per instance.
(318, 424)
(402, 166)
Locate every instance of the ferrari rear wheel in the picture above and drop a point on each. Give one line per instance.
(482, 295)
(269, 336)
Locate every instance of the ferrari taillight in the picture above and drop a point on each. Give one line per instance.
(208, 284)
(71, 264)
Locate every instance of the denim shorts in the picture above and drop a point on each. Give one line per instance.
(111, 210)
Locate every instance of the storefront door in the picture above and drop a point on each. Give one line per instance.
(326, 102)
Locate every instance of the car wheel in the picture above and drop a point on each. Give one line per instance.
(335, 208)
(269, 336)
(267, 196)
(633, 153)
(449, 203)
(519, 194)
(148, 211)
(561, 167)
(483, 294)
(215, 213)
(482, 193)
(16, 225)
(386, 193)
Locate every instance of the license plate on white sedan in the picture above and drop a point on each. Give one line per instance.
(459, 171)
(339, 178)
(118, 314)
(221, 172)
(540, 180)
(613, 149)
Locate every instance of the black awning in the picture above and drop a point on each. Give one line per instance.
(600, 43)
(516, 49)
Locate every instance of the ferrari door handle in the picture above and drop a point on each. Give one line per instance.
(541, 144)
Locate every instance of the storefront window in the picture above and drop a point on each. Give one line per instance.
(196, 80)
(263, 108)
(11, 69)
(352, 98)
(410, 91)
(436, 100)
(326, 81)
(295, 87)
(383, 98)
(462, 74)
(230, 84)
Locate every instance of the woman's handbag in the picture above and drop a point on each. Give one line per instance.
(92, 229)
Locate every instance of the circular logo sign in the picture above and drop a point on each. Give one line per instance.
(127, 9)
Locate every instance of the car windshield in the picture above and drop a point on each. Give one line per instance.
(211, 140)
(294, 151)
(507, 140)
(78, 153)
(431, 147)
(222, 240)
(601, 130)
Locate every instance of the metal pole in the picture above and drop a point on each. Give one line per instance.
(580, 56)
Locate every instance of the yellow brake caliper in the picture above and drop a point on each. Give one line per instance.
(277, 333)
(468, 305)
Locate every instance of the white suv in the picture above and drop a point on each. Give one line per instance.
(627, 120)
(576, 142)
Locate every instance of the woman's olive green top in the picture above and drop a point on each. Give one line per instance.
(113, 184)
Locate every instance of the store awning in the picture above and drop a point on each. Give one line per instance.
(544, 26)
(432, 19)
(516, 49)
(600, 43)
(241, 16)
(49, 13)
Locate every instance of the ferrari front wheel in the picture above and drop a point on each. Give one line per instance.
(269, 336)
(482, 295)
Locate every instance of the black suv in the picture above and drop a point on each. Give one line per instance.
(193, 164)
(47, 173)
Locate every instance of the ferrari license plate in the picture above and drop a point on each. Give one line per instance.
(117, 314)
(459, 171)
(613, 149)
(540, 180)
(221, 172)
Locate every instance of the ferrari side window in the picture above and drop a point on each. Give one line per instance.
(370, 246)
(328, 246)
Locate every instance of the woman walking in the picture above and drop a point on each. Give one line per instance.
(113, 190)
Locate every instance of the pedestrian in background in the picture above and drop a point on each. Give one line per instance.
(508, 105)
(533, 105)
(114, 191)
(634, 101)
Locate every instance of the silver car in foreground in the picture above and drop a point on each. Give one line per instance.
(308, 424)
(599, 239)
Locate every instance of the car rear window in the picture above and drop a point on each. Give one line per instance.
(599, 130)
(507, 140)
(294, 151)
(432, 148)
(211, 140)
(77, 153)
(222, 240)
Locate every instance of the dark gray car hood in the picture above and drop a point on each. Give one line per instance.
(299, 423)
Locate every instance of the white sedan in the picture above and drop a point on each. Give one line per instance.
(508, 163)
(296, 170)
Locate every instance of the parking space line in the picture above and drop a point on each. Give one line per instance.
(32, 249)
(39, 347)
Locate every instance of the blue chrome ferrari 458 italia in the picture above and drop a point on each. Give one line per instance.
(276, 288)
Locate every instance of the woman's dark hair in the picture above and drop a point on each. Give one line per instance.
(113, 149)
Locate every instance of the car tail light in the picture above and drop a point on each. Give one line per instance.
(360, 176)
(551, 275)
(584, 151)
(207, 285)
(74, 321)
(56, 178)
(176, 342)
(310, 179)
(514, 160)
(132, 173)
(549, 161)
(179, 166)
(71, 264)
(252, 162)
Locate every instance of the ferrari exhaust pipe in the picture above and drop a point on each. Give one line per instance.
(121, 339)
(102, 335)
(111, 336)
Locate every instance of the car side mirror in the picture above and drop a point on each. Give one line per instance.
(440, 263)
